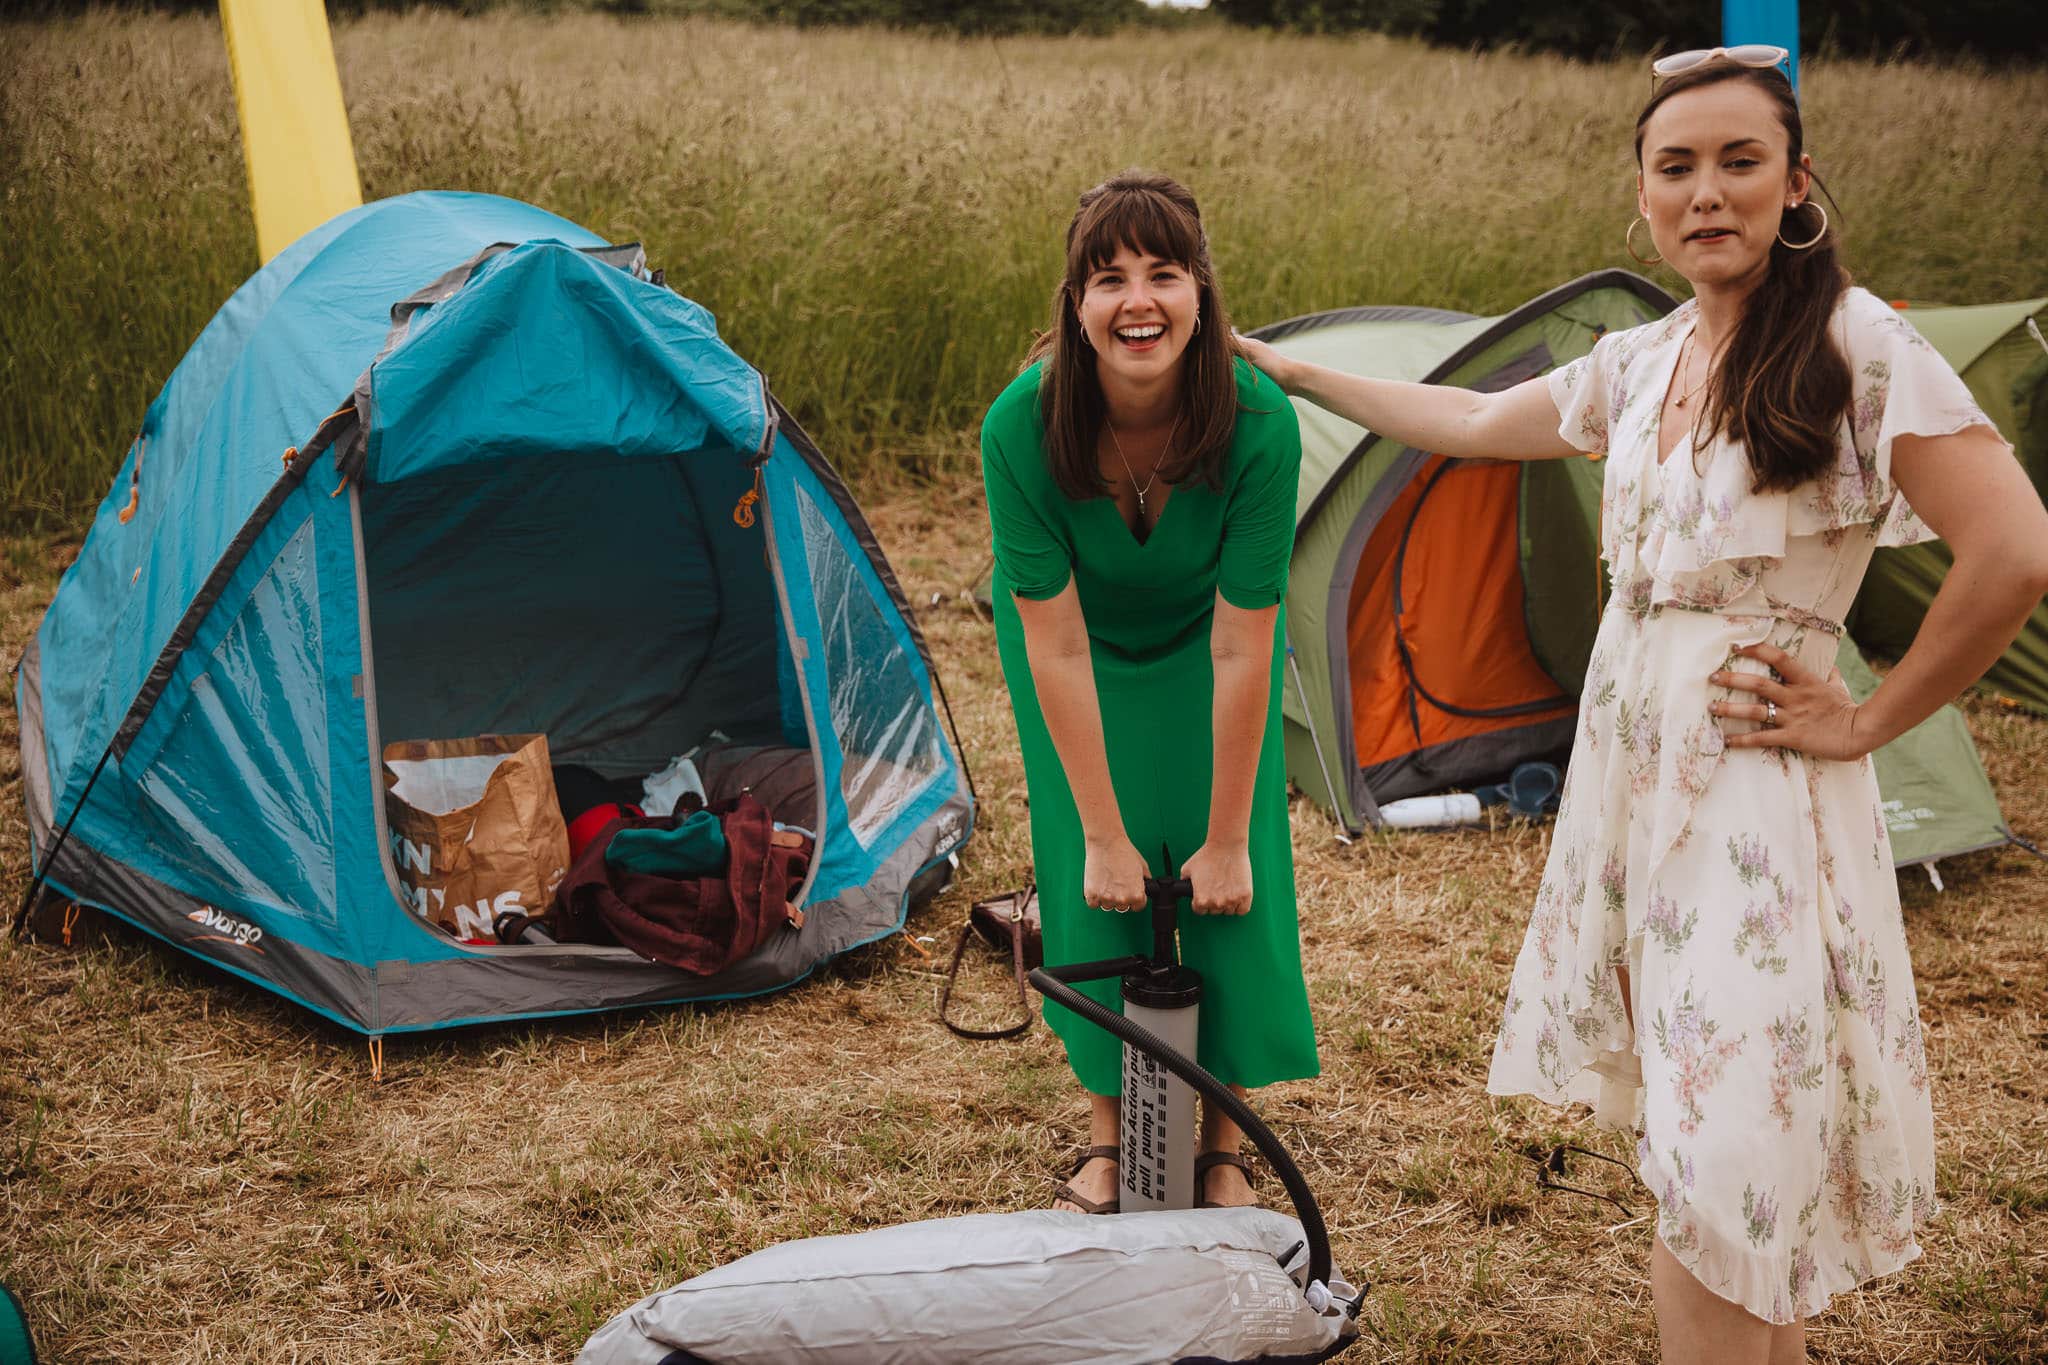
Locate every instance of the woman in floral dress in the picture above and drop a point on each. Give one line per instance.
(1716, 955)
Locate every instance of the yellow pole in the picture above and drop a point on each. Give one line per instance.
(302, 165)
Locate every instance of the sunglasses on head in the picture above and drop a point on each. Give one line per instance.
(1762, 56)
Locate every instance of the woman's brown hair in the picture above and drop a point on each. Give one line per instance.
(1783, 385)
(1156, 215)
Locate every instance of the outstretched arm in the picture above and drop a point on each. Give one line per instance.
(1516, 424)
(1063, 674)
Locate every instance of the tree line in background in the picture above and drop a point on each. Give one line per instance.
(1989, 30)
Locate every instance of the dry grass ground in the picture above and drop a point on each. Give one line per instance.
(193, 1171)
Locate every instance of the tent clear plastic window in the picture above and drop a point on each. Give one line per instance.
(889, 741)
(241, 782)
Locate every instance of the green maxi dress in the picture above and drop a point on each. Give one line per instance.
(1148, 607)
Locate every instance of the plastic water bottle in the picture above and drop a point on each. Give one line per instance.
(1432, 812)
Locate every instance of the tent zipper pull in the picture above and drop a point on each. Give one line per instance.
(127, 514)
(743, 510)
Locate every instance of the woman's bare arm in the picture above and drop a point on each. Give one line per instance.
(1063, 673)
(1241, 657)
(1516, 424)
(1971, 491)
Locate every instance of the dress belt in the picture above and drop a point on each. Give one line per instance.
(1783, 611)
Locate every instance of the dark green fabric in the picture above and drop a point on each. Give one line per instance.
(609, 604)
(1564, 582)
(2007, 371)
(695, 848)
(1896, 594)
(1149, 607)
(16, 1347)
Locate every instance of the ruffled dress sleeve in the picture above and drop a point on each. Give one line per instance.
(1901, 386)
(1589, 395)
(1605, 402)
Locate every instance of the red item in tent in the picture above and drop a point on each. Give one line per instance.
(585, 827)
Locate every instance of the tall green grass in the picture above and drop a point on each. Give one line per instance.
(876, 217)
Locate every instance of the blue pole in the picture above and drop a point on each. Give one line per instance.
(1763, 21)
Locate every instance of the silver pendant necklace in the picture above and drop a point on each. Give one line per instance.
(1142, 489)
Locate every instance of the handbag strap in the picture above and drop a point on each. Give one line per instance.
(1016, 936)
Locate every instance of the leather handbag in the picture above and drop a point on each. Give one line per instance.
(1008, 923)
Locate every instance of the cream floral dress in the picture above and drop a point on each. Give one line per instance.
(1775, 1072)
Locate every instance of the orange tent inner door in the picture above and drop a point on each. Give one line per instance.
(1436, 618)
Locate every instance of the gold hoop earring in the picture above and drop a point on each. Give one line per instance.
(1638, 221)
(1813, 240)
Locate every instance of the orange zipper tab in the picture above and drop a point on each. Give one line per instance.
(743, 510)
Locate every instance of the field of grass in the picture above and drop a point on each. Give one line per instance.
(876, 218)
(191, 1170)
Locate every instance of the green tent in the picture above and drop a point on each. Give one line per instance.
(1433, 643)
(1998, 350)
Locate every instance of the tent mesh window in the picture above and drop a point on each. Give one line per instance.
(887, 733)
(236, 795)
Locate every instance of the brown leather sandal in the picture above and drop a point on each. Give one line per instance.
(1104, 1151)
(1209, 1161)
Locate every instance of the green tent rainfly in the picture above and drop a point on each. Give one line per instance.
(1434, 643)
(1999, 350)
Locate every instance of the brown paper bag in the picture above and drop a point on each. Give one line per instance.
(476, 831)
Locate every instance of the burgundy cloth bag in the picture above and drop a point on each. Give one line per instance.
(699, 924)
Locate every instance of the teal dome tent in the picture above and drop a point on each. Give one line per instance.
(450, 465)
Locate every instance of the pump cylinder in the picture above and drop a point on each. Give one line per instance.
(1159, 1134)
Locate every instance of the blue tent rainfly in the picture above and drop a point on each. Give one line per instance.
(450, 465)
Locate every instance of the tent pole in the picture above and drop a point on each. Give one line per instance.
(2031, 848)
(35, 883)
(1309, 718)
(954, 726)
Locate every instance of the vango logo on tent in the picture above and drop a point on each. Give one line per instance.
(226, 928)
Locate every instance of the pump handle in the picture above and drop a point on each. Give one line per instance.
(1173, 890)
(1166, 894)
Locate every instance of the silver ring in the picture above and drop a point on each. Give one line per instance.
(1770, 713)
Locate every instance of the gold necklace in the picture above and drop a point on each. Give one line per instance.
(1687, 395)
(1132, 474)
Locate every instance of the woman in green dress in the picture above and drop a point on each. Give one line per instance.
(1141, 481)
